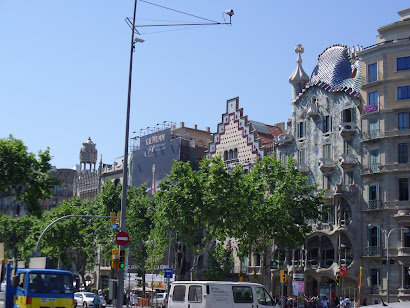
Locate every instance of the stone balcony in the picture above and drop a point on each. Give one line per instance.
(284, 139)
(347, 129)
(403, 216)
(302, 168)
(326, 164)
(347, 160)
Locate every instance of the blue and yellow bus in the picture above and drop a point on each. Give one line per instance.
(40, 288)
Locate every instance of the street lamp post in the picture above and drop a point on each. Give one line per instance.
(388, 261)
(120, 276)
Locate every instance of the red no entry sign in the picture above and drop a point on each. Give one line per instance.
(122, 238)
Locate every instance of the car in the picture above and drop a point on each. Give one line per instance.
(84, 299)
(160, 300)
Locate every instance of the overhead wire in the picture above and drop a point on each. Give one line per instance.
(167, 8)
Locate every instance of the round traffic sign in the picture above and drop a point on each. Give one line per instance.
(122, 238)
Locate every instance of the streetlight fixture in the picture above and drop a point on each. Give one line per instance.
(388, 261)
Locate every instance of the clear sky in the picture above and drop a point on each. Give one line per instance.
(64, 64)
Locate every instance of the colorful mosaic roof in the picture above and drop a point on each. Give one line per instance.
(336, 71)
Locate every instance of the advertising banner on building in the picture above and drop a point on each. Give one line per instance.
(153, 160)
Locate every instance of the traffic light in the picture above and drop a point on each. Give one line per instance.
(115, 259)
(283, 276)
(122, 258)
(337, 280)
(113, 218)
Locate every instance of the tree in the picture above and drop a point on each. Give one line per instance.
(281, 206)
(13, 232)
(24, 176)
(220, 263)
(194, 207)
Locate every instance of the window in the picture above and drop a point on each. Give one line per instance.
(373, 98)
(374, 197)
(328, 213)
(407, 238)
(372, 72)
(403, 64)
(406, 277)
(403, 153)
(284, 160)
(348, 178)
(4, 203)
(242, 294)
(403, 120)
(347, 147)
(244, 265)
(403, 93)
(327, 151)
(195, 294)
(347, 115)
(403, 189)
(179, 294)
(258, 259)
(374, 160)
(263, 297)
(301, 156)
(327, 124)
(373, 128)
(374, 236)
(301, 129)
(327, 183)
(375, 277)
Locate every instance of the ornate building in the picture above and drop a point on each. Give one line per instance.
(87, 183)
(324, 138)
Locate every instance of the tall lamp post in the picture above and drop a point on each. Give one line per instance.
(120, 279)
(388, 261)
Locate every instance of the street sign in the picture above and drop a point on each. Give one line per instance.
(168, 273)
(122, 238)
(114, 226)
(343, 271)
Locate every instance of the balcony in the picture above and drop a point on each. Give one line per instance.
(347, 160)
(373, 134)
(346, 189)
(312, 110)
(403, 216)
(231, 163)
(372, 168)
(347, 129)
(326, 164)
(373, 205)
(302, 168)
(284, 139)
(403, 251)
(372, 251)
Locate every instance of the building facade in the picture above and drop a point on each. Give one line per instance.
(385, 162)
(325, 140)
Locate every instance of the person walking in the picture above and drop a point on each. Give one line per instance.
(96, 300)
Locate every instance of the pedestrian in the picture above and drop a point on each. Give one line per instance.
(96, 300)
(132, 298)
(324, 303)
(365, 302)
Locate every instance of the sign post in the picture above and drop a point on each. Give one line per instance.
(122, 238)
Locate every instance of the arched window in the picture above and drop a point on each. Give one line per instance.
(226, 155)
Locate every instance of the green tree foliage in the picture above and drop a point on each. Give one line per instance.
(220, 263)
(13, 232)
(280, 206)
(193, 207)
(24, 176)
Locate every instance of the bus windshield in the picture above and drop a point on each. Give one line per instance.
(51, 283)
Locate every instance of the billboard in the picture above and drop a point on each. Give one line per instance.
(153, 160)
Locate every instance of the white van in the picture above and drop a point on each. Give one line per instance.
(218, 294)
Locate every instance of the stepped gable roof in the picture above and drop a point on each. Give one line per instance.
(336, 71)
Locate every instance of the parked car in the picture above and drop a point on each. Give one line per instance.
(160, 300)
(84, 299)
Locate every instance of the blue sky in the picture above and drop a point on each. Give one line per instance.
(64, 64)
